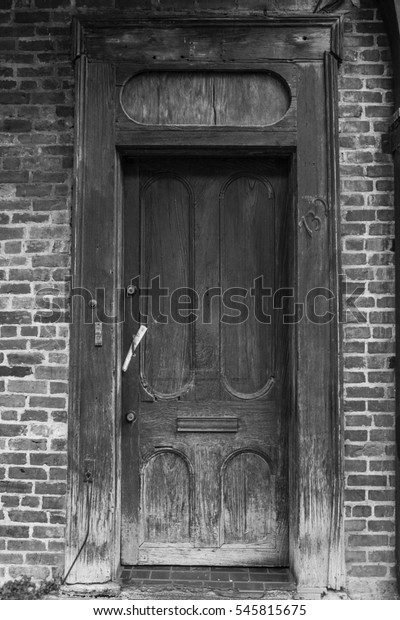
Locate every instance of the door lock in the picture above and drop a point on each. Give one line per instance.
(131, 417)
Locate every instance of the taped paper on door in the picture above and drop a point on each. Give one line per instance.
(135, 343)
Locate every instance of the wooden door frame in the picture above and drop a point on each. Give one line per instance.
(311, 49)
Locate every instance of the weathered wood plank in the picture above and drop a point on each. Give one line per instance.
(316, 365)
(145, 42)
(189, 556)
(336, 575)
(91, 505)
(131, 140)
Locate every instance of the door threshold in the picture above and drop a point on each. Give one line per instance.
(230, 580)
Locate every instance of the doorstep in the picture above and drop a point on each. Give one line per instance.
(201, 582)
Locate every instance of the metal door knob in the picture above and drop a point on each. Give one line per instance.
(131, 290)
(131, 417)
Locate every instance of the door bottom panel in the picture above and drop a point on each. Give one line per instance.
(187, 556)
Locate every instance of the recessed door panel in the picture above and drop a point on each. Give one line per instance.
(167, 212)
(166, 501)
(248, 493)
(247, 245)
(208, 387)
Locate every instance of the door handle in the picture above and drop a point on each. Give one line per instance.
(134, 344)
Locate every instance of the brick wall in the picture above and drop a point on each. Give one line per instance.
(36, 145)
(367, 258)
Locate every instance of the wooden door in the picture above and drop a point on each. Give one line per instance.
(204, 462)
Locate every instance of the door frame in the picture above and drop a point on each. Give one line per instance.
(307, 55)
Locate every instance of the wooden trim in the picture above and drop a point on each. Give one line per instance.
(99, 36)
(130, 496)
(336, 574)
(120, 21)
(204, 138)
(78, 39)
(95, 416)
(93, 399)
(119, 211)
(316, 554)
(75, 341)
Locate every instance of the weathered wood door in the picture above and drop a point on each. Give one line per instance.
(204, 462)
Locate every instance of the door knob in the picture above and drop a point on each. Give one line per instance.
(131, 290)
(131, 417)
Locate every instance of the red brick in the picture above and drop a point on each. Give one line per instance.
(50, 488)
(28, 516)
(384, 511)
(9, 501)
(10, 558)
(12, 430)
(384, 556)
(57, 518)
(368, 571)
(15, 318)
(31, 17)
(53, 503)
(367, 540)
(355, 466)
(13, 458)
(382, 496)
(47, 402)
(51, 372)
(34, 415)
(44, 558)
(48, 458)
(27, 444)
(27, 473)
(48, 531)
(27, 387)
(368, 481)
(31, 501)
(14, 531)
(381, 526)
(26, 545)
(382, 466)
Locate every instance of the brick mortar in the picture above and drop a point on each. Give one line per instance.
(36, 147)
